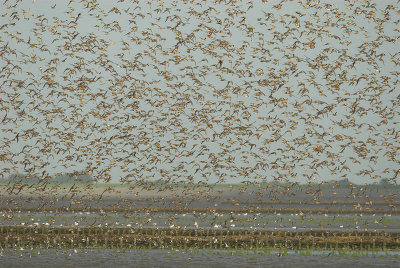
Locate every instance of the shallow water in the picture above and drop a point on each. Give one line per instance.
(232, 221)
(201, 258)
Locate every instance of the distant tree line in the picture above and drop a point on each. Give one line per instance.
(78, 177)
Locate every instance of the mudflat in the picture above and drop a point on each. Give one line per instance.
(185, 197)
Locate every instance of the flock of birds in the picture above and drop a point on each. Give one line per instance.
(199, 92)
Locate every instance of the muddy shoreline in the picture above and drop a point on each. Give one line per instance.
(151, 238)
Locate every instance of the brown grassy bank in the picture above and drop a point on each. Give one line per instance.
(95, 237)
